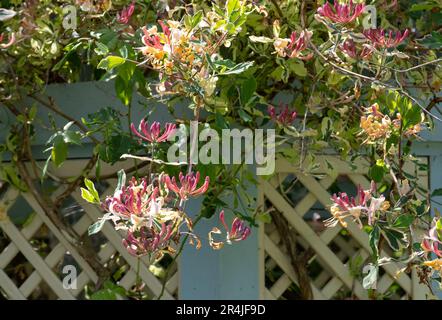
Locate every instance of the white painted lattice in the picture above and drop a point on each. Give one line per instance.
(331, 248)
(42, 269)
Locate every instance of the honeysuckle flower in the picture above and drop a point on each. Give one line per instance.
(133, 199)
(379, 38)
(123, 17)
(187, 186)
(350, 49)
(432, 241)
(148, 240)
(375, 125)
(341, 13)
(298, 44)
(9, 43)
(153, 134)
(238, 232)
(364, 204)
(295, 46)
(284, 118)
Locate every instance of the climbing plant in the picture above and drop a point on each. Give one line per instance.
(358, 78)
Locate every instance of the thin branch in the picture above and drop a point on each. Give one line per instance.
(52, 106)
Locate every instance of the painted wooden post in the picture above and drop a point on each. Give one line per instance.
(229, 273)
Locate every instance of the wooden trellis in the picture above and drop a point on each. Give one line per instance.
(332, 249)
(44, 267)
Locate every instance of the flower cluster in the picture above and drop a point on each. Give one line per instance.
(382, 39)
(363, 205)
(153, 133)
(432, 243)
(151, 211)
(148, 214)
(295, 47)
(375, 125)
(284, 118)
(237, 232)
(178, 54)
(341, 13)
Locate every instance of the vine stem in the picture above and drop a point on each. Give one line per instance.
(193, 148)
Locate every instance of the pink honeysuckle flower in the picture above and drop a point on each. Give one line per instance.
(350, 49)
(345, 202)
(379, 38)
(298, 44)
(133, 199)
(153, 134)
(284, 118)
(123, 17)
(151, 38)
(341, 13)
(432, 242)
(9, 43)
(165, 28)
(363, 204)
(238, 231)
(188, 185)
(148, 240)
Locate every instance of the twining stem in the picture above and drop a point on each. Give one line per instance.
(193, 149)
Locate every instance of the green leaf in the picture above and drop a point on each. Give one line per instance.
(425, 6)
(403, 221)
(264, 217)
(126, 71)
(220, 121)
(91, 188)
(432, 41)
(96, 227)
(244, 115)
(123, 90)
(297, 67)
(395, 238)
(101, 49)
(239, 68)
(72, 137)
(439, 225)
(104, 294)
(196, 19)
(87, 195)
(377, 171)
(248, 88)
(59, 152)
(231, 5)
(110, 62)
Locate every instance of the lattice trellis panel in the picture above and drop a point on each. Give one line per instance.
(331, 250)
(42, 269)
